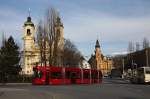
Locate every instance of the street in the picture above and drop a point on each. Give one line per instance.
(109, 89)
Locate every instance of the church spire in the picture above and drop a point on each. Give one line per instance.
(97, 44)
(29, 17)
(29, 20)
(29, 11)
(58, 21)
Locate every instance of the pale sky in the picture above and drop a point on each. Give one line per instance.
(113, 22)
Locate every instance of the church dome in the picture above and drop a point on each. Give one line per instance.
(29, 22)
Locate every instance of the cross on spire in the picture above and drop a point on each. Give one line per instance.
(29, 12)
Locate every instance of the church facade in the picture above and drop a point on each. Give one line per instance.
(99, 61)
(31, 52)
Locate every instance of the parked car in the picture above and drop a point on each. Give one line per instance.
(115, 73)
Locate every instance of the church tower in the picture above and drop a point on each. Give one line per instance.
(59, 30)
(29, 31)
(29, 45)
(98, 55)
(99, 61)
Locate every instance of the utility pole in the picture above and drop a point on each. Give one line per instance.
(147, 62)
(132, 67)
(123, 68)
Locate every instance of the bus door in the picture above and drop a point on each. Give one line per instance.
(67, 77)
(56, 77)
(86, 76)
(94, 76)
(100, 76)
(47, 78)
(73, 76)
(140, 75)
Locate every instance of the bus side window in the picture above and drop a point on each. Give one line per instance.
(94, 76)
(75, 75)
(86, 75)
(140, 71)
(67, 74)
(56, 75)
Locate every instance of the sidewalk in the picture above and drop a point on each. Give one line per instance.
(3, 84)
(117, 80)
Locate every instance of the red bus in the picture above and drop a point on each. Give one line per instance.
(59, 75)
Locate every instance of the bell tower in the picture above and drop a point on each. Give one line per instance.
(29, 31)
(29, 46)
(59, 30)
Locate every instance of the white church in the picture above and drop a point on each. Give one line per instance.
(31, 52)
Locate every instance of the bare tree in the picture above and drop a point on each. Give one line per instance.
(72, 56)
(130, 47)
(50, 27)
(145, 43)
(41, 40)
(137, 46)
(53, 35)
(49, 36)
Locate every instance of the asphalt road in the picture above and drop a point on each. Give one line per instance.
(109, 89)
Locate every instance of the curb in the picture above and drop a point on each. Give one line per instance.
(3, 84)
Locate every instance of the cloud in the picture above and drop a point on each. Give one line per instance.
(109, 27)
(12, 22)
(114, 23)
(113, 32)
(119, 53)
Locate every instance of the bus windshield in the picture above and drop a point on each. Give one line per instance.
(147, 70)
(37, 74)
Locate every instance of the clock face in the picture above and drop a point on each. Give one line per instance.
(28, 32)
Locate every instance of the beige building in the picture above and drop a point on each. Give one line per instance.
(31, 52)
(99, 61)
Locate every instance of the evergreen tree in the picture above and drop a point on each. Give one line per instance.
(9, 58)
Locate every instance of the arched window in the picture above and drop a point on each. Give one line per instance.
(28, 32)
